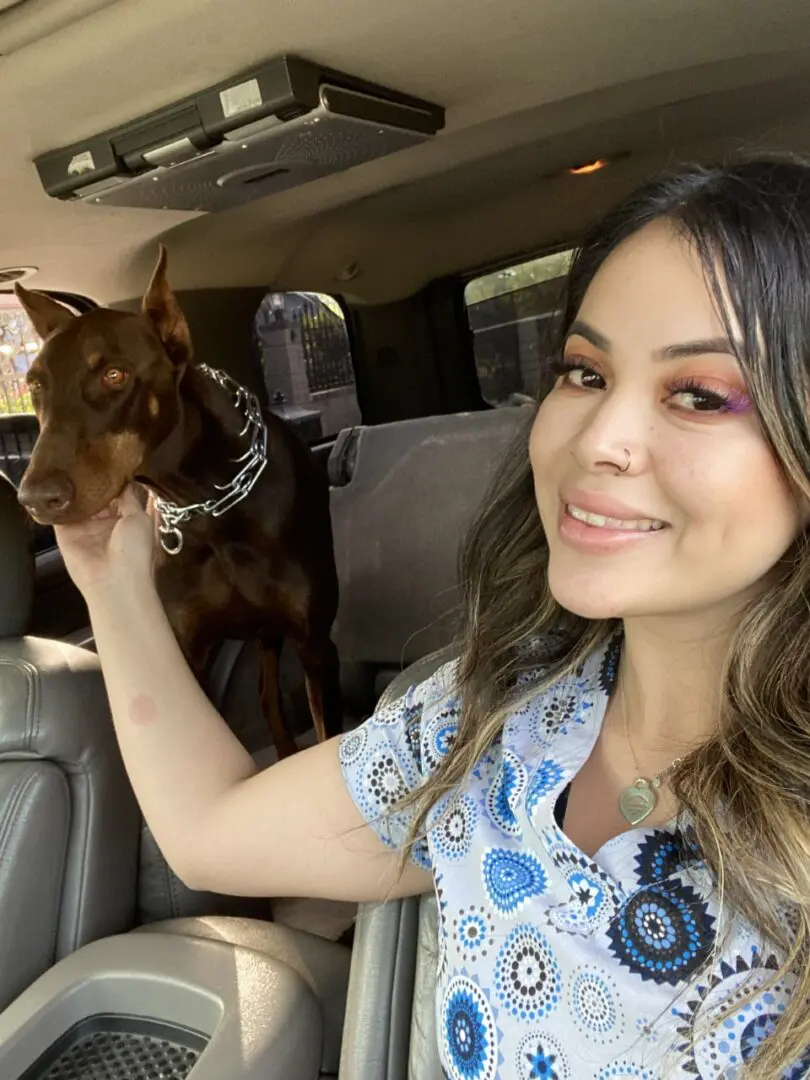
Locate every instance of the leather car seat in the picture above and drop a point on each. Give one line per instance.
(68, 819)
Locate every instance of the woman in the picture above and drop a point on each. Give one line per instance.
(609, 790)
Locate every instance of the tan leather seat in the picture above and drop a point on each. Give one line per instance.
(68, 819)
(390, 1027)
(69, 839)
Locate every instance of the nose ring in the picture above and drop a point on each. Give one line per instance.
(627, 462)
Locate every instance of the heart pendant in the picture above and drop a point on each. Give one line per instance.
(637, 801)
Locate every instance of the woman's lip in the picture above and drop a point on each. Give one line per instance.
(593, 502)
(592, 540)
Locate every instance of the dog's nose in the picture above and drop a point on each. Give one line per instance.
(53, 494)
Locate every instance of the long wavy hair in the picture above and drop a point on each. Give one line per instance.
(750, 225)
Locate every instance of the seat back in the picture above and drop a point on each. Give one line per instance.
(389, 1031)
(390, 1028)
(68, 818)
(405, 495)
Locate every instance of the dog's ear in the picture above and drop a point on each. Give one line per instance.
(162, 310)
(46, 315)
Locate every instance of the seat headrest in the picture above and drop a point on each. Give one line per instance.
(16, 563)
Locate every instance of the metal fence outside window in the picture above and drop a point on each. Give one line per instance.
(326, 348)
(14, 394)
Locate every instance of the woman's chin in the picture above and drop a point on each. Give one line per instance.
(588, 599)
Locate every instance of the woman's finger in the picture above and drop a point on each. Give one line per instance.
(128, 502)
(109, 511)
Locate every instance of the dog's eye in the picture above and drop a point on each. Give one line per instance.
(114, 376)
(34, 385)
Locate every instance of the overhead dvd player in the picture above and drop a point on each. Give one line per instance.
(269, 129)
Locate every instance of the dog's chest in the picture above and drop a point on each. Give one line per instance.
(235, 573)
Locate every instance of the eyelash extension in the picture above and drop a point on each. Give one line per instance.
(733, 401)
(560, 365)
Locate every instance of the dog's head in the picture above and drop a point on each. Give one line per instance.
(105, 388)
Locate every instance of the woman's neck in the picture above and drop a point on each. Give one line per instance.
(670, 680)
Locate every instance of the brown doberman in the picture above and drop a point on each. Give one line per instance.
(242, 507)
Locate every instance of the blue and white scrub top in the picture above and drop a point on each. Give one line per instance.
(553, 964)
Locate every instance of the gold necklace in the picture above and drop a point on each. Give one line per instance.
(638, 800)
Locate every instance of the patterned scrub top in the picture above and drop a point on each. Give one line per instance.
(552, 964)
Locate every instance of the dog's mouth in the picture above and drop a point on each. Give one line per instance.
(64, 517)
(76, 513)
(38, 519)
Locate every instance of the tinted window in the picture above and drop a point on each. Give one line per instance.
(307, 362)
(19, 346)
(513, 315)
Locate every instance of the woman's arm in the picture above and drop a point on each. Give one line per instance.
(292, 829)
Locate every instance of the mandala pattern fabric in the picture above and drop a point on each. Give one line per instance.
(554, 964)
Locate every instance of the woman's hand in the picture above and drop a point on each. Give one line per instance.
(112, 548)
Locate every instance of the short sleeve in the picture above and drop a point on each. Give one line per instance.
(395, 751)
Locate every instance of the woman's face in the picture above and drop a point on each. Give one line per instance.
(655, 486)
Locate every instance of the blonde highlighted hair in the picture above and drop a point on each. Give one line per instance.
(750, 224)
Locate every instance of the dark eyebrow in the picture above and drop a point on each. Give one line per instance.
(696, 348)
(669, 352)
(581, 329)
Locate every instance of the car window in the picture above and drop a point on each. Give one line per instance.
(513, 314)
(307, 363)
(19, 346)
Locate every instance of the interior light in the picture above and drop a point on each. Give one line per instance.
(588, 168)
(6, 350)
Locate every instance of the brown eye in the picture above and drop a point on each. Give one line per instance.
(114, 377)
(34, 385)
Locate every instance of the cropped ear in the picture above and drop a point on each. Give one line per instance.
(47, 316)
(162, 310)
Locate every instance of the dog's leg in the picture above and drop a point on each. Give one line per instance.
(319, 659)
(271, 698)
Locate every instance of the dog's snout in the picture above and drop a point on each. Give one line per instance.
(47, 495)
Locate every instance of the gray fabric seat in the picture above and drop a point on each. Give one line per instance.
(406, 495)
(68, 819)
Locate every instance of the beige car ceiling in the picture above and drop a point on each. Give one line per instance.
(530, 87)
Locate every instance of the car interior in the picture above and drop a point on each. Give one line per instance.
(368, 210)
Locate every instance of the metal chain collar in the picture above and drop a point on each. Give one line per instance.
(253, 461)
